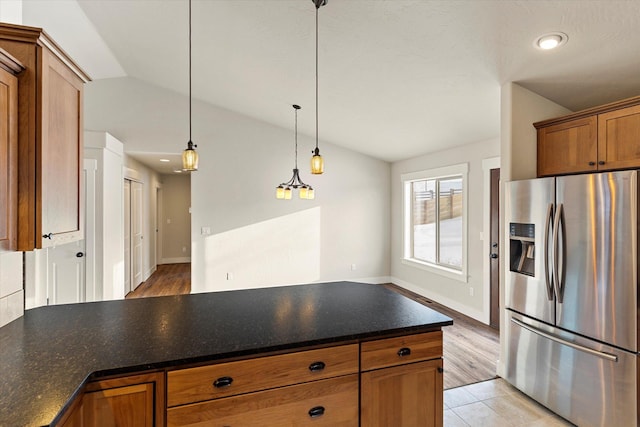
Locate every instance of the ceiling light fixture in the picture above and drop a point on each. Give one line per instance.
(551, 41)
(164, 160)
(190, 155)
(284, 190)
(317, 163)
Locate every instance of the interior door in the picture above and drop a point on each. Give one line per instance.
(136, 234)
(598, 293)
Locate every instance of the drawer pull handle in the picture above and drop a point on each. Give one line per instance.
(316, 411)
(316, 366)
(404, 351)
(223, 382)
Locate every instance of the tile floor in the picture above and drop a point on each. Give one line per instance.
(495, 403)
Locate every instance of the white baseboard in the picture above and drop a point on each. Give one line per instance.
(454, 305)
(179, 260)
(373, 280)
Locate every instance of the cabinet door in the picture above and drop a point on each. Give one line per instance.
(568, 147)
(619, 139)
(407, 395)
(60, 215)
(8, 161)
(331, 403)
(136, 401)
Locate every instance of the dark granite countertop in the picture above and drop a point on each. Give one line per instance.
(48, 355)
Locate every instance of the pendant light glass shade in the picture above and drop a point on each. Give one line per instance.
(317, 163)
(190, 158)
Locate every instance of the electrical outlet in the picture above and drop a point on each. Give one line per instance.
(184, 249)
(353, 267)
(229, 276)
(470, 291)
(205, 231)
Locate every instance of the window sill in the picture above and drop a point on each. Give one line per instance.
(460, 276)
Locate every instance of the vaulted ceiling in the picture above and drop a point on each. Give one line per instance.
(398, 78)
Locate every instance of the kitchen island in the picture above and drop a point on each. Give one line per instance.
(52, 354)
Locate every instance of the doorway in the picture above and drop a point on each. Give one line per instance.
(133, 235)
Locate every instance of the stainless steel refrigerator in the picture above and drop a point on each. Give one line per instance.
(571, 295)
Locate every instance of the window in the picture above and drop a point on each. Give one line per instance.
(435, 229)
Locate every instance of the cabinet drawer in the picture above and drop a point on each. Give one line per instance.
(244, 376)
(400, 350)
(332, 402)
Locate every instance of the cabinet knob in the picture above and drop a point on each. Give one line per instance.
(440, 369)
(47, 236)
(316, 411)
(601, 162)
(404, 351)
(223, 382)
(316, 366)
(592, 163)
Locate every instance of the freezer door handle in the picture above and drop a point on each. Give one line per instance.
(558, 253)
(603, 355)
(548, 276)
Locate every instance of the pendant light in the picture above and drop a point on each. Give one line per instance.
(284, 191)
(190, 155)
(317, 163)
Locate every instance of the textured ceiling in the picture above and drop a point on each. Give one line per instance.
(398, 78)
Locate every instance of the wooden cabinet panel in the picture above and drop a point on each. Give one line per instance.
(331, 402)
(8, 158)
(619, 139)
(568, 147)
(408, 395)
(400, 350)
(135, 401)
(61, 152)
(50, 132)
(197, 384)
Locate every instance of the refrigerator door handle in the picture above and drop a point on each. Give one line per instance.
(548, 274)
(558, 227)
(603, 355)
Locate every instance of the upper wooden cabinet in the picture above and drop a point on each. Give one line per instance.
(598, 139)
(50, 134)
(9, 67)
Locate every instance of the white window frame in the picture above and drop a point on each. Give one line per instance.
(407, 227)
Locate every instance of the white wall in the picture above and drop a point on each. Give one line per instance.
(242, 161)
(150, 182)
(519, 109)
(175, 221)
(450, 292)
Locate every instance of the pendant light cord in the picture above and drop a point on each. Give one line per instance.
(296, 162)
(189, 70)
(317, 8)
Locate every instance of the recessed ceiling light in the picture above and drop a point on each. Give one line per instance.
(165, 160)
(551, 41)
(177, 171)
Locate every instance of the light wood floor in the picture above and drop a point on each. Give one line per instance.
(470, 347)
(168, 279)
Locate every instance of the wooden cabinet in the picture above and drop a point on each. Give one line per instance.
(401, 382)
(332, 403)
(50, 134)
(387, 382)
(134, 401)
(9, 67)
(319, 385)
(599, 139)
